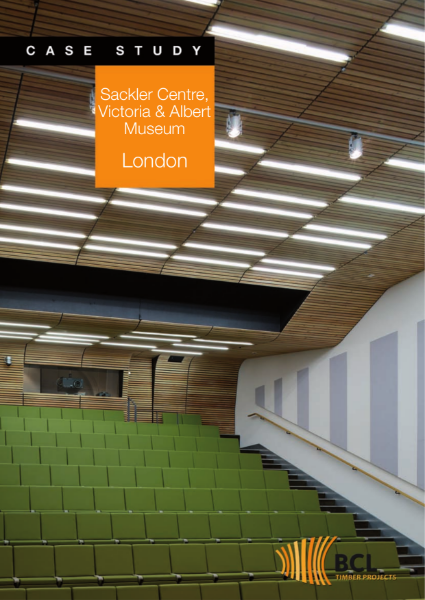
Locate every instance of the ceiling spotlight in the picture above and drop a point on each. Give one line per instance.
(355, 146)
(234, 124)
(93, 100)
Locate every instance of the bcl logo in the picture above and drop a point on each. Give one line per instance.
(345, 563)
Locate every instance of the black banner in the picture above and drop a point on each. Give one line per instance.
(114, 51)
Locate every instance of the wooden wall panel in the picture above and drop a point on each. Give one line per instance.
(54, 354)
(95, 357)
(140, 387)
(11, 378)
(171, 385)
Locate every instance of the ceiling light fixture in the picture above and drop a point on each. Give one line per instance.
(224, 263)
(101, 238)
(159, 208)
(55, 128)
(279, 197)
(322, 240)
(238, 147)
(205, 2)
(19, 333)
(176, 352)
(36, 243)
(203, 347)
(30, 326)
(92, 101)
(42, 231)
(78, 335)
(355, 147)
(67, 339)
(166, 334)
(153, 339)
(13, 337)
(223, 342)
(50, 167)
(224, 249)
(405, 164)
(166, 195)
(60, 342)
(228, 170)
(249, 230)
(233, 124)
(46, 211)
(353, 232)
(309, 170)
(124, 251)
(290, 263)
(267, 211)
(50, 194)
(410, 33)
(382, 204)
(126, 345)
(277, 43)
(291, 273)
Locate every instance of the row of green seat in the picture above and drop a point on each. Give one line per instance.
(159, 563)
(116, 499)
(100, 427)
(136, 528)
(407, 587)
(181, 419)
(52, 412)
(50, 455)
(126, 476)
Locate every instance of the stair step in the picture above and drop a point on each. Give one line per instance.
(302, 487)
(327, 502)
(418, 569)
(367, 532)
(410, 559)
(361, 524)
(378, 539)
(272, 467)
(403, 549)
(334, 509)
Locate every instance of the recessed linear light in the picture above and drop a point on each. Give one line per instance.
(30, 326)
(67, 339)
(285, 272)
(60, 342)
(46, 211)
(56, 128)
(382, 204)
(411, 33)
(290, 263)
(176, 352)
(153, 339)
(250, 230)
(124, 251)
(50, 166)
(78, 335)
(405, 164)
(13, 337)
(278, 43)
(166, 334)
(205, 2)
(224, 249)
(167, 196)
(202, 347)
(35, 243)
(159, 208)
(126, 345)
(267, 211)
(223, 342)
(42, 231)
(353, 232)
(229, 171)
(322, 240)
(101, 238)
(19, 333)
(309, 170)
(280, 198)
(224, 263)
(238, 147)
(49, 193)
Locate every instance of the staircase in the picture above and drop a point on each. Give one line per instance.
(411, 555)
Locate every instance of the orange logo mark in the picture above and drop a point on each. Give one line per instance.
(300, 562)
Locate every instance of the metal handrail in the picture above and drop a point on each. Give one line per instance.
(396, 490)
(130, 401)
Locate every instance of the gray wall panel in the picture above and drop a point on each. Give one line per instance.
(260, 396)
(338, 400)
(278, 397)
(303, 393)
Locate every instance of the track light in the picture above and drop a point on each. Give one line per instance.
(92, 100)
(355, 146)
(234, 124)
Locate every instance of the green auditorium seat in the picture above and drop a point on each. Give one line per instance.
(280, 500)
(228, 445)
(250, 461)
(91, 414)
(80, 456)
(276, 480)
(92, 440)
(103, 426)
(339, 590)
(256, 527)
(226, 500)
(342, 525)
(13, 423)
(43, 498)
(185, 444)
(384, 556)
(115, 563)
(59, 425)
(207, 444)
(2, 437)
(190, 562)
(13, 594)
(186, 419)
(169, 430)
(368, 590)
(228, 460)
(421, 581)
(259, 560)
(150, 477)
(147, 428)
(53, 456)
(132, 458)
(32, 412)
(35, 475)
(170, 418)
(68, 440)
(59, 528)
(80, 426)
(33, 424)
(152, 562)
(182, 591)
(50, 412)
(202, 478)
(198, 500)
(306, 500)
(126, 428)
(404, 587)
(254, 500)
(74, 414)
(252, 480)
(175, 478)
(128, 528)
(313, 525)
(8, 411)
(6, 566)
(189, 430)
(43, 439)
(113, 415)
(140, 442)
(116, 440)
(22, 528)
(194, 528)
(63, 593)
(163, 442)
(78, 498)
(136, 592)
(209, 431)
(122, 476)
(92, 593)
(140, 499)
(162, 527)
(225, 527)
(5, 454)
(220, 591)
(94, 528)
(75, 565)
(253, 590)
(109, 499)
(34, 565)
(10, 474)
(18, 438)
(225, 560)
(65, 475)
(106, 457)
(296, 590)
(157, 458)
(285, 526)
(182, 460)
(93, 476)
(205, 460)
(169, 500)
(29, 455)
(227, 478)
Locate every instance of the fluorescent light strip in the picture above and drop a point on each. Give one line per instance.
(238, 147)
(211, 261)
(405, 164)
(153, 339)
(277, 43)
(19, 333)
(267, 211)
(78, 335)
(60, 342)
(223, 342)
(250, 230)
(46, 211)
(229, 171)
(382, 204)
(35, 243)
(12, 337)
(101, 238)
(50, 167)
(309, 170)
(291, 273)
(176, 352)
(126, 345)
(56, 128)
(205, 2)
(67, 339)
(410, 33)
(353, 232)
(321, 240)
(124, 251)
(42, 231)
(159, 208)
(224, 249)
(202, 347)
(50, 194)
(279, 197)
(290, 263)
(4, 323)
(167, 334)
(167, 196)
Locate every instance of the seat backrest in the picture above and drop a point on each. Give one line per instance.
(80, 456)
(140, 442)
(152, 559)
(276, 480)
(91, 475)
(93, 414)
(189, 430)
(169, 500)
(59, 425)
(69, 440)
(114, 559)
(368, 589)
(50, 412)
(257, 558)
(94, 526)
(205, 444)
(198, 500)
(157, 458)
(254, 500)
(128, 526)
(126, 428)
(72, 413)
(202, 478)
(132, 458)
(58, 526)
(8, 410)
(169, 418)
(78, 498)
(352, 548)
(252, 480)
(13, 423)
(50, 455)
(92, 440)
(65, 475)
(384, 555)
(35, 424)
(228, 460)
(175, 478)
(205, 460)
(181, 460)
(147, 428)
(5, 454)
(225, 526)
(106, 457)
(185, 444)
(103, 426)
(22, 526)
(10, 474)
(297, 590)
(80, 426)
(285, 526)
(313, 525)
(35, 475)
(227, 478)
(74, 561)
(29, 455)
(116, 440)
(281, 500)
(163, 442)
(139, 499)
(113, 415)
(109, 499)
(29, 411)
(188, 558)
(194, 526)
(306, 500)
(209, 431)
(341, 524)
(43, 439)
(190, 419)
(18, 438)
(403, 587)
(34, 561)
(227, 500)
(6, 562)
(161, 526)
(255, 525)
(228, 445)
(149, 477)
(250, 461)
(46, 498)
(168, 430)
(223, 558)
(122, 476)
